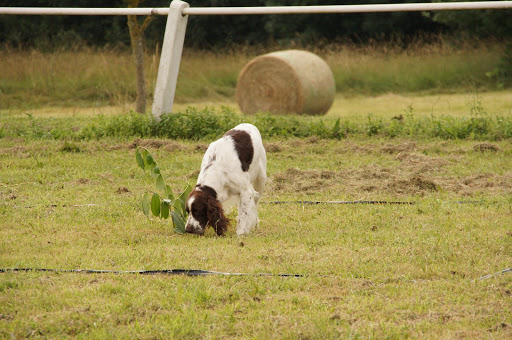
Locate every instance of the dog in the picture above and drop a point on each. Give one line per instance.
(233, 171)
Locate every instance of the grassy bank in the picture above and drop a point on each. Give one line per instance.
(86, 77)
(374, 271)
(208, 123)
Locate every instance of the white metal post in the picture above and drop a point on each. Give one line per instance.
(170, 58)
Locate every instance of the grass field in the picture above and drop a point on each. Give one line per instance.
(374, 271)
(86, 77)
(70, 190)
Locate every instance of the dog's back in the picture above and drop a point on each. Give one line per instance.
(247, 137)
(248, 157)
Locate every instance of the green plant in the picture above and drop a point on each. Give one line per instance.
(503, 71)
(166, 204)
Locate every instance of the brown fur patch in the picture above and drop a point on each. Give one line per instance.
(243, 147)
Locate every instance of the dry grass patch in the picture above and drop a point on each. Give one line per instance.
(403, 169)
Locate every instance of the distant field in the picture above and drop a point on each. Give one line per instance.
(85, 77)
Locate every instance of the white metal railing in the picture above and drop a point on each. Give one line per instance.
(177, 15)
(411, 7)
(407, 7)
(82, 11)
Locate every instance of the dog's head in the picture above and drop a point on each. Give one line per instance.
(205, 210)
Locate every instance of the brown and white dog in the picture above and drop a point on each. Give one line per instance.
(233, 170)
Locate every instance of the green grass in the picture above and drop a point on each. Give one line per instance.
(70, 190)
(374, 271)
(209, 122)
(86, 77)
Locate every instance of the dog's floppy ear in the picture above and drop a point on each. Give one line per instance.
(216, 217)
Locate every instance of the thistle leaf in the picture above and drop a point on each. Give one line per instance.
(164, 210)
(179, 222)
(140, 160)
(154, 171)
(160, 184)
(149, 159)
(183, 200)
(145, 204)
(168, 193)
(155, 204)
(179, 208)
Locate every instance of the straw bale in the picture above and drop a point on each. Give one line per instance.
(290, 81)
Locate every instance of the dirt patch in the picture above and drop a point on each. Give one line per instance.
(201, 147)
(18, 151)
(297, 174)
(83, 180)
(167, 145)
(414, 185)
(485, 147)
(350, 147)
(147, 143)
(420, 163)
(273, 147)
(479, 180)
(306, 181)
(122, 190)
(398, 148)
(501, 327)
(486, 182)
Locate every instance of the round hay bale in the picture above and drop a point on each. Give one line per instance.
(289, 81)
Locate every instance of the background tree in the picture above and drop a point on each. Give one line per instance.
(137, 41)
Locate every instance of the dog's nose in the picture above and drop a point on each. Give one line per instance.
(189, 229)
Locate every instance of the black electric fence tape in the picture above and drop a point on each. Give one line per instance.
(286, 202)
(368, 202)
(186, 272)
(338, 202)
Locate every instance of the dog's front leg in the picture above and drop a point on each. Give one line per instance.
(247, 212)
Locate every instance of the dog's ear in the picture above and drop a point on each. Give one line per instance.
(216, 217)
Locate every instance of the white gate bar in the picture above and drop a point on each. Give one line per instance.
(408, 7)
(82, 11)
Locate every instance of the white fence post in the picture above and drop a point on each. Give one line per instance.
(170, 59)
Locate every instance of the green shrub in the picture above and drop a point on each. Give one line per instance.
(207, 124)
(194, 124)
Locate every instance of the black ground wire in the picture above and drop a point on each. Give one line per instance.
(187, 272)
(306, 202)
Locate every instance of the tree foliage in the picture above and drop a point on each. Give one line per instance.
(209, 32)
